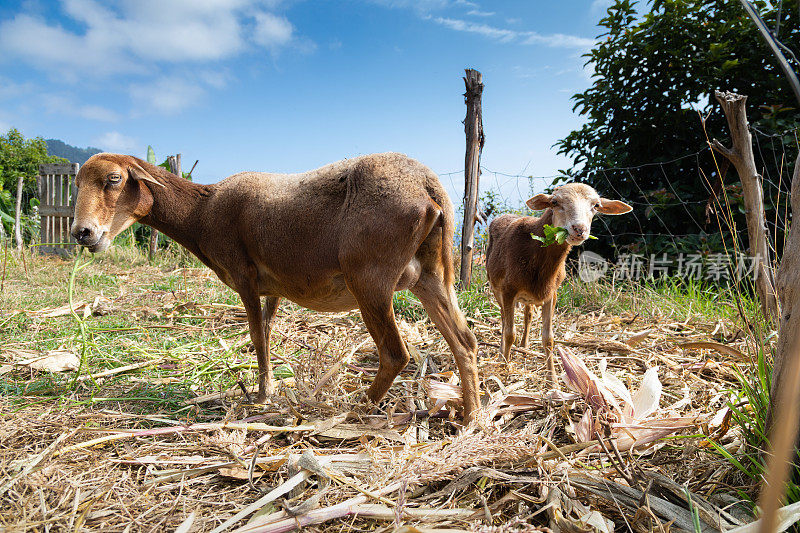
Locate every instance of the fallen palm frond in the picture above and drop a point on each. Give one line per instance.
(628, 420)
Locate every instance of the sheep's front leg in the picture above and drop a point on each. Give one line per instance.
(252, 305)
(548, 309)
(271, 304)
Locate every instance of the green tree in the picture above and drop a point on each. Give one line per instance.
(653, 72)
(20, 157)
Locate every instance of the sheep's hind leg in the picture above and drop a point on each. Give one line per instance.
(526, 325)
(548, 309)
(506, 302)
(442, 307)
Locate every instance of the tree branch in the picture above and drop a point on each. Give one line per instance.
(729, 153)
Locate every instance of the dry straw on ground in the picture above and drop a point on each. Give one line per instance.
(316, 456)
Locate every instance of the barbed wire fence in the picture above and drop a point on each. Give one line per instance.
(671, 230)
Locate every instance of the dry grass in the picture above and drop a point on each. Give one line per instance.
(137, 451)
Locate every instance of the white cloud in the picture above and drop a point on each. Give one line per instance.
(113, 141)
(272, 31)
(55, 103)
(12, 89)
(128, 35)
(165, 95)
(214, 78)
(479, 13)
(55, 48)
(558, 40)
(498, 34)
(423, 6)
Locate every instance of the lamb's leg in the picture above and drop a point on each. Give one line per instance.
(442, 307)
(548, 308)
(252, 305)
(526, 325)
(507, 318)
(271, 304)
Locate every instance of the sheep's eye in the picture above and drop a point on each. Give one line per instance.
(554, 203)
(114, 178)
(597, 205)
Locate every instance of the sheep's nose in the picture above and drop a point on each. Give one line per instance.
(82, 234)
(580, 230)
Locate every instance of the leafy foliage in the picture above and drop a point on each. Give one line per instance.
(652, 74)
(20, 157)
(552, 235)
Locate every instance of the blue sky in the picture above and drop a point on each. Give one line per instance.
(290, 85)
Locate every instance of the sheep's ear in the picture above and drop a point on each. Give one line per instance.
(613, 207)
(539, 202)
(141, 174)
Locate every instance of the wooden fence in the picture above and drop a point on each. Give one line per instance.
(56, 207)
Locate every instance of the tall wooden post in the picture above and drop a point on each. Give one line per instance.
(741, 155)
(784, 403)
(473, 127)
(175, 164)
(18, 214)
(153, 243)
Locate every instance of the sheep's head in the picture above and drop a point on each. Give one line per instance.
(111, 197)
(574, 206)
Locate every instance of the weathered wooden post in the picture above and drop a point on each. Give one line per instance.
(473, 127)
(741, 155)
(18, 214)
(152, 245)
(785, 389)
(175, 164)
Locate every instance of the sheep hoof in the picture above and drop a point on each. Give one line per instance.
(264, 392)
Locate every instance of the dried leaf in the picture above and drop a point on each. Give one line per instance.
(645, 400)
(636, 338)
(439, 390)
(708, 345)
(237, 472)
(51, 361)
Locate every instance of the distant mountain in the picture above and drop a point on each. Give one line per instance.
(69, 152)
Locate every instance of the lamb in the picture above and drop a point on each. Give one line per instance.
(521, 269)
(343, 236)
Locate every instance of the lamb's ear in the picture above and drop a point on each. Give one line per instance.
(141, 174)
(613, 207)
(539, 202)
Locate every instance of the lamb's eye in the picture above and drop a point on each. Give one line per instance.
(554, 203)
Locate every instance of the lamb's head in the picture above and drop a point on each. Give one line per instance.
(110, 198)
(573, 206)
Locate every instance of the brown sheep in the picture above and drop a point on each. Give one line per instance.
(343, 236)
(521, 269)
